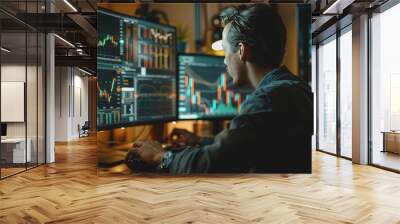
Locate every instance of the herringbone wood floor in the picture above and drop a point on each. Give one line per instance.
(70, 191)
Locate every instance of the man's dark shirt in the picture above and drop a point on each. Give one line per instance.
(271, 134)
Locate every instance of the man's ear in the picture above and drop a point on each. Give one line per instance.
(244, 52)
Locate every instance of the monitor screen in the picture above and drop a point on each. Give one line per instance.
(3, 129)
(136, 71)
(206, 91)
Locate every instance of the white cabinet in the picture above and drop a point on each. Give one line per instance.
(16, 150)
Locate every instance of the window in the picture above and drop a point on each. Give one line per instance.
(346, 93)
(22, 101)
(327, 96)
(385, 88)
(314, 90)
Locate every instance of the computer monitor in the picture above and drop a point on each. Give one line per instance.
(3, 130)
(206, 91)
(136, 71)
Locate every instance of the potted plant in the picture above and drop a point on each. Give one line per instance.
(181, 37)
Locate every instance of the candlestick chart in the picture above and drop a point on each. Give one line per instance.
(206, 90)
(109, 97)
(108, 37)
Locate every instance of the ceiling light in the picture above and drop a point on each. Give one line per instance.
(86, 72)
(337, 7)
(64, 40)
(70, 5)
(5, 50)
(217, 45)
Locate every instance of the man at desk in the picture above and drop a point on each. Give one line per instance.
(272, 133)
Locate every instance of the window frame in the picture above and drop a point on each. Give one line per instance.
(378, 10)
(334, 36)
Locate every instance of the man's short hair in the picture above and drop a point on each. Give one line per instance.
(261, 28)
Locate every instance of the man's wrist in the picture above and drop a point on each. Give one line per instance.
(166, 161)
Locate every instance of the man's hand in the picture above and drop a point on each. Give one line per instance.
(184, 136)
(150, 152)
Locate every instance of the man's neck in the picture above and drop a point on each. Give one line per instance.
(256, 74)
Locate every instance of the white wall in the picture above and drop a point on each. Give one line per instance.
(16, 73)
(71, 102)
(13, 73)
(61, 103)
(33, 127)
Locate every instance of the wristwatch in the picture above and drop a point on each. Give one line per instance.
(166, 161)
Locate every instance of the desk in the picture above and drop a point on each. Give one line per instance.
(13, 150)
(391, 141)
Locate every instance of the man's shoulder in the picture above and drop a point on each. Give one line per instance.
(275, 93)
(284, 78)
(278, 87)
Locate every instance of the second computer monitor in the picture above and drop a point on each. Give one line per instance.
(206, 90)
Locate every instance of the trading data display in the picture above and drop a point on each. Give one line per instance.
(136, 71)
(206, 91)
(108, 39)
